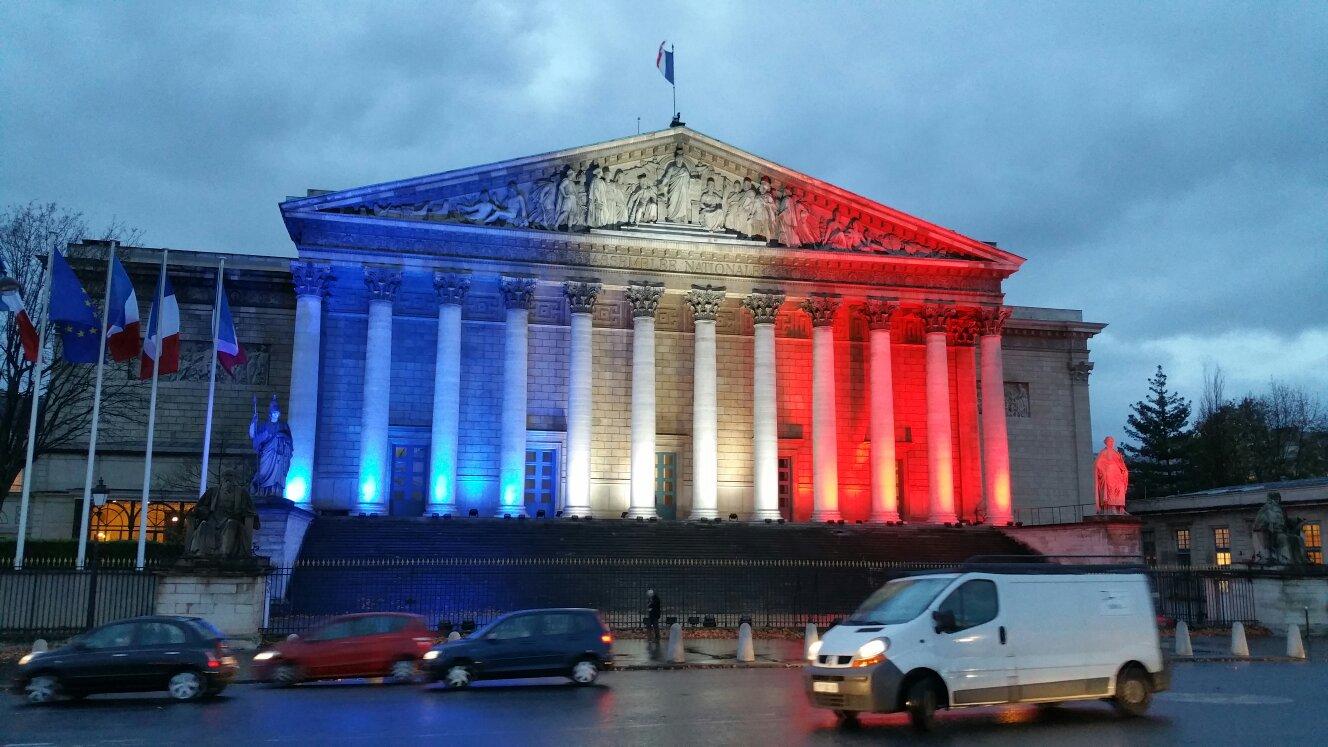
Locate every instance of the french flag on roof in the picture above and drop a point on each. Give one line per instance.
(229, 351)
(664, 61)
(122, 333)
(163, 341)
(11, 300)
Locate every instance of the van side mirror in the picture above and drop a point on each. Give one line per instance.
(945, 621)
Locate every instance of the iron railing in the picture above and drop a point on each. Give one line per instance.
(1203, 596)
(1068, 514)
(59, 602)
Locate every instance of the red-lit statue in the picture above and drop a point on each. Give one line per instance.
(1110, 479)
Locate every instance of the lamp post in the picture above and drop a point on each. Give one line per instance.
(99, 496)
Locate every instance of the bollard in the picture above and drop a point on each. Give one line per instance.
(454, 636)
(675, 652)
(1183, 647)
(808, 639)
(1239, 646)
(40, 646)
(746, 652)
(1295, 646)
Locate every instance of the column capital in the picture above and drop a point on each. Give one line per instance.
(1080, 370)
(764, 304)
(311, 278)
(963, 330)
(518, 293)
(821, 309)
(705, 301)
(644, 297)
(581, 295)
(936, 316)
(878, 312)
(451, 287)
(382, 282)
(991, 321)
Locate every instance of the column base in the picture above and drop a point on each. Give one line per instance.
(999, 521)
(884, 517)
(512, 511)
(820, 517)
(576, 512)
(703, 514)
(442, 509)
(771, 514)
(642, 513)
(371, 510)
(943, 519)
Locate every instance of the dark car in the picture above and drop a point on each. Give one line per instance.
(379, 644)
(572, 643)
(185, 656)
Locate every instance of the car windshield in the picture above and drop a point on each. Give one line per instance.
(898, 601)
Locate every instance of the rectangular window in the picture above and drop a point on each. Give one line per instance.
(1222, 545)
(1149, 543)
(1183, 546)
(1311, 533)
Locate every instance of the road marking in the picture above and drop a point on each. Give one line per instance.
(1219, 699)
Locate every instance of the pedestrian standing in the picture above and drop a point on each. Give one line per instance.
(652, 614)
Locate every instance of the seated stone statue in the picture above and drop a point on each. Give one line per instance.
(222, 524)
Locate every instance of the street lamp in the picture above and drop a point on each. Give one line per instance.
(99, 496)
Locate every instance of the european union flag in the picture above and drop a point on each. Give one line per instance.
(73, 314)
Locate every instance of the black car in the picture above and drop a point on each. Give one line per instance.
(572, 643)
(185, 656)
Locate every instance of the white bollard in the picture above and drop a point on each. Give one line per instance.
(675, 652)
(1295, 646)
(454, 636)
(1239, 646)
(811, 637)
(1183, 647)
(40, 646)
(746, 651)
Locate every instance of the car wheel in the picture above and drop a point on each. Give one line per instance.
(585, 672)
(186, 686)
(1133, 692)
(42, 689)
(286, 675)
(404, 670)
(921, 703)
(458, 676)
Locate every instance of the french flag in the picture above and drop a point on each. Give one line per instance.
(11, 300)
(229, 351)
(163, 341)
(664, 61)
(122, 334)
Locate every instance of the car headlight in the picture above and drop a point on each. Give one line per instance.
(813, 650)
(27, 658)
(265, 655)
(430, 655)
(871, 652)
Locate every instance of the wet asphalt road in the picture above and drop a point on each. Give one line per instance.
(1244, 703)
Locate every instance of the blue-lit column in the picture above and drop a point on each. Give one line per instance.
(382, 283)
(451, 289)
(581, 297)
(311, 285)
(518, 293)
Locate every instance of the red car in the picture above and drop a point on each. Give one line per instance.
(377, 644)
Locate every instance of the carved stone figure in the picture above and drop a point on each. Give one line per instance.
(200, 537)
(599, 210)
(847, 236)
(544, 211)
(221, 525)
(710, 207)
(643, 205)
(792, 219)
(1278, 534)
(569, 204)
(765, 220)
(273, 444)
(1110, 479)
(617, 195)
(676, 182)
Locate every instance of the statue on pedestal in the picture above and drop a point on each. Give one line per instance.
(273, 444)
(1110, 479)
(1278, 535)
(221, 525)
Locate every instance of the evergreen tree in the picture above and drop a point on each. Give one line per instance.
(1157, 458)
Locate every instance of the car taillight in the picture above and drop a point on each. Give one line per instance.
(213, 662)
(606, 638)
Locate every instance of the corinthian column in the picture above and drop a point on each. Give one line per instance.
(764, 306)
(705, 301)
(884, 490)
(311, 285)
(825, 445)
(644, 298)
(451, 289)
(518, 293)
(382, 284)
(995, 444)
(581, 297)
(940, 460)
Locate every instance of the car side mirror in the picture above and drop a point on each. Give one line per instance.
(945, 621)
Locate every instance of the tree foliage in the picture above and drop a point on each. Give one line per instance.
(1157, 424)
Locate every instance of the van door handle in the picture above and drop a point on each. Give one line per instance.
(1002, 635)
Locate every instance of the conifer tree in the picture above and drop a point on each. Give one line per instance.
(1158, 456)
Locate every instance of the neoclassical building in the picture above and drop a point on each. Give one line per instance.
(667, 326)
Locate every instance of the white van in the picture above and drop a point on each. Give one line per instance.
(987, 634)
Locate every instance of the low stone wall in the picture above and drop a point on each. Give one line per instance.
(1096, 539)
(235, 603)
(1281, 601)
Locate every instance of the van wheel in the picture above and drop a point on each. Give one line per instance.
(921, 702)
(1133, 692)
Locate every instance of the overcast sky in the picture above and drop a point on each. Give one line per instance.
(1165, 170)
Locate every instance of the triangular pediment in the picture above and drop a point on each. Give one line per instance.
(675, 183)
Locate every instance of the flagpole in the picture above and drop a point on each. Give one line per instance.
(212, 379)
(674, 83)
(96, 413)
(32, 420)
(158, 316)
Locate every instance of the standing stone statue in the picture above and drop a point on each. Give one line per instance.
(273, 444)
(1110, 479)
(1279, 534)
(676, 181)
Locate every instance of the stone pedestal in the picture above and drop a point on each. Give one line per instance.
(233, 600)
(282, 525)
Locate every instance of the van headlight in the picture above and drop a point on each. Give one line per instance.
(872, 652)
(430, 655)
(813, 650)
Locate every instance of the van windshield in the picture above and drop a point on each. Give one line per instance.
(898, 601)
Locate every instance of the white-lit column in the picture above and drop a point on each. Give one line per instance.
(451, 289)
(995, 444)
(581, 297)
(382, 284)
(311, 285)
(884, 489)
(825, 447)
(940, 460)
(518, 293)
(644, 298)
(764, 307)
(704, 301)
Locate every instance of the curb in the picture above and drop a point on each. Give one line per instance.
(637, 668)
(1222, 659)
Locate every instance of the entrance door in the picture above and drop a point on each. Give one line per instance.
(786, 488)
(541, 481)
(410, 472)
(666, 484)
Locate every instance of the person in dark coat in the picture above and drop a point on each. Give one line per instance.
(652, 614)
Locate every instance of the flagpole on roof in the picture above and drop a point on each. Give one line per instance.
(21, 545)
(674, 83)
(212, 378)
(155, 326)
(96, 412)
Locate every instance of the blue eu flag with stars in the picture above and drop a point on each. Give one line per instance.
(73, 314)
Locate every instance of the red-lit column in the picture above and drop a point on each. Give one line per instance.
(884, 490)
(940, 458)
(995, 444)
(825, 451)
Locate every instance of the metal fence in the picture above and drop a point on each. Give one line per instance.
(58, 602)
(1201, 596)
(1068, 514)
